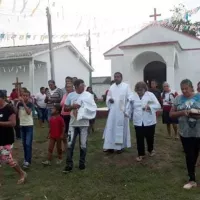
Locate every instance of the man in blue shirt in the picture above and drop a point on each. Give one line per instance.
(76, 127)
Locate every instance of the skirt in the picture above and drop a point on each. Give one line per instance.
(166, 119)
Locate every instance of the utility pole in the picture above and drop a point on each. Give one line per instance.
(90, 55)
(49, 24)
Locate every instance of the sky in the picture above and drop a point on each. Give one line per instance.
(110, 22)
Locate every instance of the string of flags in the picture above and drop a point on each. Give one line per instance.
(186, 16)
(27, 36)
(191, 12)
(43, 37)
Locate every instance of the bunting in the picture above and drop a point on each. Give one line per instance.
(24, 6)
(37, 6)
(14, 6)
(63, 37)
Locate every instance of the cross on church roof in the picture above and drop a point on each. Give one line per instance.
(155, 15)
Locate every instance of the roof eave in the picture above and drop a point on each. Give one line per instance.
(149, 44)
(68, 44)
(47, 51)
(84, 61)
(16, 58)
(106, 54)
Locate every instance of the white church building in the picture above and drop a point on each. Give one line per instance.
(157, 52)
(31, 64)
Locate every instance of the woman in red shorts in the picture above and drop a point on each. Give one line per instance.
(7, 123)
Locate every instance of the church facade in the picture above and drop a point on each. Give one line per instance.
(157, 53)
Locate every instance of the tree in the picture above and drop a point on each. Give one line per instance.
(181, 23)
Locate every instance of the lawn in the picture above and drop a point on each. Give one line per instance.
(110, 177)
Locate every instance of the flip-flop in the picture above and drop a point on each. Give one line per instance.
(22, 180)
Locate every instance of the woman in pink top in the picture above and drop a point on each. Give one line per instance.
(66, 115)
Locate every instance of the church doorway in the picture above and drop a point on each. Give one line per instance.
(155, 70)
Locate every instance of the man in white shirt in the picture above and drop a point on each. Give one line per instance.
(41, 106)
(117, 131)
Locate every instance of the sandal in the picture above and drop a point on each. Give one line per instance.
(139, 158)
(22, 180)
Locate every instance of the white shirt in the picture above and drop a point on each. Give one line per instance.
(140, 115)
(40, 100)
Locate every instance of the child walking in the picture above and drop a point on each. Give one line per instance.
(25, 108)
(7, 123)
(56, 135)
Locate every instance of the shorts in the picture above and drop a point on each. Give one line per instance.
(6, 155)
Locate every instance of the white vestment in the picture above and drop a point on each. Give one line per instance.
(117, 130)
(88, 106)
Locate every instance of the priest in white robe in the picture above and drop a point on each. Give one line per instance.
(117, 130)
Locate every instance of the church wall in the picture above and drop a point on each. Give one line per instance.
(40, 79)
(188, 68)
(66, 64)
(154, 34)
(138, 58)
(121, 64)
(7, 78)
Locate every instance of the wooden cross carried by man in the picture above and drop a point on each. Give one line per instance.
(18, 85)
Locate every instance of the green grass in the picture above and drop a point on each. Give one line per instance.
(101, 104)
(112, 177)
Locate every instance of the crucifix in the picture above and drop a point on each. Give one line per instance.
(17, 85)
(155, 15)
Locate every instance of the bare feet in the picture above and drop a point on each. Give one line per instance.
(22, 179)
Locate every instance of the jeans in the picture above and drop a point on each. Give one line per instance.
(143, 132)
(48, 113)
(191, 148)
(42, 114)
(72, 135)
(27, 139)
